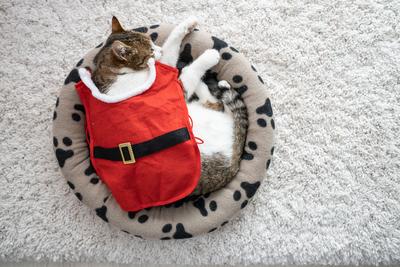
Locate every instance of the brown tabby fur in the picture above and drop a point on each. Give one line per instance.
(217, 170)
(122, 49)
(133, 49)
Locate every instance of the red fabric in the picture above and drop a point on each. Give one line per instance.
(157, 179)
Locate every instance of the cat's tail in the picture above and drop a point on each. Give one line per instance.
(217, 170)
(232, 100)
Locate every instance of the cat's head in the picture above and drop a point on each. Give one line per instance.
(126, 48)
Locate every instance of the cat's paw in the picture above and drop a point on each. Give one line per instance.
(189, 24)
(211, 57)
(224, 84)
(207, 99)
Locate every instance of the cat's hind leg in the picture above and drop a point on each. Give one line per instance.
(170, 48)
(206, 98)
(191, 75)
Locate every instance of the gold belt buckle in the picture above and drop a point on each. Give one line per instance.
(130, 151)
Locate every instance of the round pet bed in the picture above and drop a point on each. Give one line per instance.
(193, 215)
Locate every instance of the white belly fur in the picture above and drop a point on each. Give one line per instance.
(214, 128)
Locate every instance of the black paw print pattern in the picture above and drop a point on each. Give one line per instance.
(78, 110)
(180, 232)
(138, 236)
(218, 44)
(248, 155)
(269, 160)
(182, 201)
(227, 55)
(265, 109)
(102, 213)
(141, 219)
(202, 206)
(185, 57)
(238, 84)
(73, 76)
(77, 194)
(141, 29)
(63, 154)
(55, 110)
(215, 228)
(258, 76)
(250, 190)
(89, 171)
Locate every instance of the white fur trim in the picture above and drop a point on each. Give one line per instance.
(157, 51)
(87, 80)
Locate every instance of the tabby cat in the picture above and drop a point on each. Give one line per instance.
(123, 60)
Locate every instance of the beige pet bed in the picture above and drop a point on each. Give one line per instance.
(191, 216)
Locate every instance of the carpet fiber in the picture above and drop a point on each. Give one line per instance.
(333, 192)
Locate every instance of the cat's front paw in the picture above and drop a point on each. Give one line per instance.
(224, 84)
(189, 24)
(211, 57)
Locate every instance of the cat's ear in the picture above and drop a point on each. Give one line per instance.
(116, 26)
(122, 51)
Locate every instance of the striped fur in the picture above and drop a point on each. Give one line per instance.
(217, 169)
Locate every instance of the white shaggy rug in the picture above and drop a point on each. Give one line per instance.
(333, 195)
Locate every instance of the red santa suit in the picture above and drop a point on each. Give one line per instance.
(142, 146)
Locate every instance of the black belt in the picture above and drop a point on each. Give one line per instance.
(128, 152)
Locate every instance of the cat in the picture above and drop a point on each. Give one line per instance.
(123, 62)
